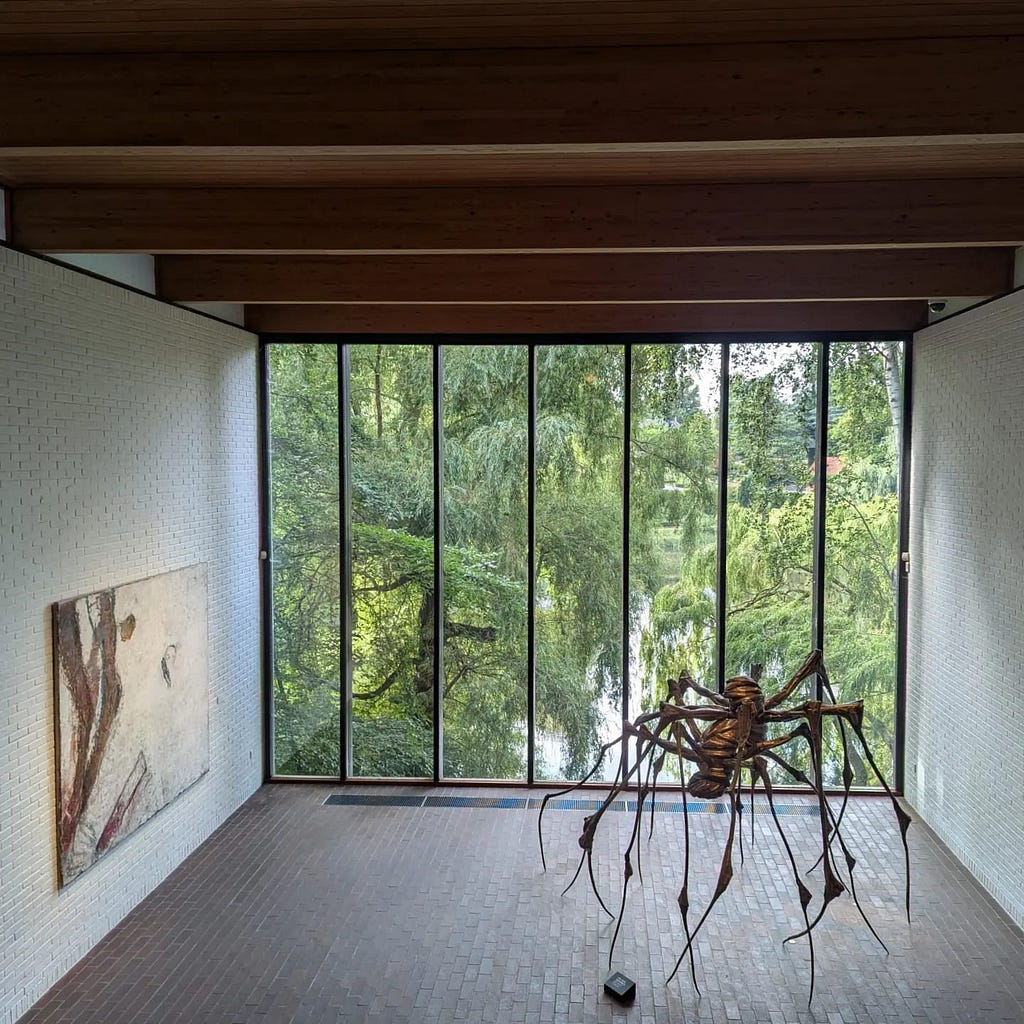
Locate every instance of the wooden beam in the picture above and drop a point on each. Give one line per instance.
(48, 26)
(662, 217)
(622, 95)
(587, 318)
(588, 277)
(930, 157)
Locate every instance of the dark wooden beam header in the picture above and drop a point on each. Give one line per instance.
(48, 26)
(514, 97)
(588, 277)
(587, 318)
(927, 158)
(669, 217)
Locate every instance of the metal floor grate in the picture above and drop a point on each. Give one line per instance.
(558, 804)
(374, 800)
(475, 801)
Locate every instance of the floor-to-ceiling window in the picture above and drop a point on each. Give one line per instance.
(769, 573)
(304, 489)
(484, 552)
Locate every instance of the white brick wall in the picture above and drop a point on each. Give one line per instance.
(128, 447)
(965, 654)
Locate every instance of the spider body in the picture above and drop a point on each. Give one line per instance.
(718, 747)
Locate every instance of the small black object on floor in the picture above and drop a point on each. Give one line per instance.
(619, 987)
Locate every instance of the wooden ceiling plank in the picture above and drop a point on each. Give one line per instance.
(336, 166)
(622, 95)
(225, 25)
(696, 217)
(588, 277)
(587, 318)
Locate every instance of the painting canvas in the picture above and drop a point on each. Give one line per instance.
(132, 708)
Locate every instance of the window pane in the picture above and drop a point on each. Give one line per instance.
(673, 519)
(485, 561)
(392, 560)
(305, 574)
(862, 542)
(580, 392)
(772, 396)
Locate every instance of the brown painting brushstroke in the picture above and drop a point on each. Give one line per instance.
(137, 777)
(93, 685)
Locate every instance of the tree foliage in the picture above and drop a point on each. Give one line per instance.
(579, 455)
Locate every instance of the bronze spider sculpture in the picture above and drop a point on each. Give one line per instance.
(722, 739)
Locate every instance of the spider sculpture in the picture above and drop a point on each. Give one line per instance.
(722, 739)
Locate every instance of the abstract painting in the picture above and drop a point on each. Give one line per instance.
(130, 666)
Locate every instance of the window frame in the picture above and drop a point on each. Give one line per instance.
(533, 343)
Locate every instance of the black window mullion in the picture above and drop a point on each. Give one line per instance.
(531, 567)
(438, 693)
(820, 487)
(723, 511)
(266, 562)
(345, 561)
(627, 430)
(902, 574)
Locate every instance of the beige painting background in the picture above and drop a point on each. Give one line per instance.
(163, 717)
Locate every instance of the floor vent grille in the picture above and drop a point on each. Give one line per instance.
(558, 804)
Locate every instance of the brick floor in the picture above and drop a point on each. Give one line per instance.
(298, 912)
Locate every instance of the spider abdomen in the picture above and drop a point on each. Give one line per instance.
(719, 748)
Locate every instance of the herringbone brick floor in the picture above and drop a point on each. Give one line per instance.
(299, 913)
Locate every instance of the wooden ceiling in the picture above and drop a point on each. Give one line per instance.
(526, 165)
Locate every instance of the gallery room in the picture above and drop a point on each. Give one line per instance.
(511, 511)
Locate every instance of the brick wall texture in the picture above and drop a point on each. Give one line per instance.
(965, 652)
(128, 447)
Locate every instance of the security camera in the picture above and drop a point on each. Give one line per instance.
(936, 306)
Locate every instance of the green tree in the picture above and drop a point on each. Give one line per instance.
(673, 442)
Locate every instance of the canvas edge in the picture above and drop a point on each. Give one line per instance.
(57, 748)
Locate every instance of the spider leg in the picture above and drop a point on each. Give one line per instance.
(851, 861)
(808, 668)
(642, 793)
(683, 745)
(641, 797)
(833, 886)
(853, 712)
(587, 855)
(659, 764)
(570, 789)
(628, 869)
(800, 730)
(593, 882)
(902, 818)
(590, 824)
(847, 785)
(805, 894)
(847, 769)
(711, 695)
(800, 777)
(693, 732)
(736, 799)
(684, 892)
(753, 784)
(586, 839)
(743, 720)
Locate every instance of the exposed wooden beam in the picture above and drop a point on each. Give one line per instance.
(598, 218)
(587, 318)
(929, 157)
(588, 277)
(623, 95)
(217, 25)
